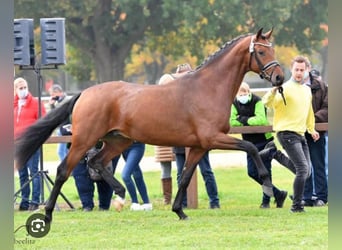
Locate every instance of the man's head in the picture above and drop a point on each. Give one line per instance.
(21, 88)
(56, 91)
(299, 68)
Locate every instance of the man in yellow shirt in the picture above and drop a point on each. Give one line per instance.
(291, 120)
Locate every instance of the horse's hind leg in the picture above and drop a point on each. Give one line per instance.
(118, 188)
(190, 164)
(113, 146)
(61, 177)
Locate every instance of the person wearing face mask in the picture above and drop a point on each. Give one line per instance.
(248, 110)
(58, 97)
(26, 112)
(291, 121)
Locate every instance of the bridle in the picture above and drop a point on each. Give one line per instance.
(263, 68)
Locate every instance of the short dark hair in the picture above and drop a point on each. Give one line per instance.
(301, 59)
(56, 88)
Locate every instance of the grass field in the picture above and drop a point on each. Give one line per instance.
(239, 224)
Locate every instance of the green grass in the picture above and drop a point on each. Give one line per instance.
(239, 224)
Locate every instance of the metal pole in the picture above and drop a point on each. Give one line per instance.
(41, 164)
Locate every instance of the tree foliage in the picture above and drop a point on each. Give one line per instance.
(105, 31)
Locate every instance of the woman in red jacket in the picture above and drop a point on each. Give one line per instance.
(26, 112)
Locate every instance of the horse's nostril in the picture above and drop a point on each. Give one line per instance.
(279, 79)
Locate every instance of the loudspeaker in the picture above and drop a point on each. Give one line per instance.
(23, 42)
(52, 40)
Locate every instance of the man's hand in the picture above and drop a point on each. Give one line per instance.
(315, 135)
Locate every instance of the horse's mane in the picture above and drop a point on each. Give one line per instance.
(228, 45)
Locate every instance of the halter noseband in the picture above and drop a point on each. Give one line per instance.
(263, 68)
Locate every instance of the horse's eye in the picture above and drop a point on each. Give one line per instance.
(261, 53)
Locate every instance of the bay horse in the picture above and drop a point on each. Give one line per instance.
(191, 111)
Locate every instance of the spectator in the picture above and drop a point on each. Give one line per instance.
(248, 110)
(26, 112)
(165, 156)
(204, 164)
(133, 156)
(316, 186)
(57, 98)
(291, 121)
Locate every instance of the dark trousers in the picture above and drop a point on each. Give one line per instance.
(207, 174)
(297, 149)
(316, 184)
(85, 188)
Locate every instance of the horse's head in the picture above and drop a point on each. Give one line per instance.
(262, 58)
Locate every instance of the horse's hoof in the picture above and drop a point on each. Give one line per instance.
(267, 190)
(118, 203)
(47, 219)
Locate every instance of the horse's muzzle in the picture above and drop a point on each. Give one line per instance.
(277, 80)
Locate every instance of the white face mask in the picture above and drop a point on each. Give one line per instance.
(22, 93)
(243, 99)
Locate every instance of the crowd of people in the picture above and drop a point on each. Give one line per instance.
(302, 103)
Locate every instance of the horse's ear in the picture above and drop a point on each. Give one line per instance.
(268, 34)
(259, 34)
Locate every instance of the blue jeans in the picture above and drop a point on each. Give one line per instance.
(30, 169)
(85, 188)
(207, 174)
(297, 150)
(326, 155)
(133, 156)
(62, 149)
(317, 183)
(253, 172)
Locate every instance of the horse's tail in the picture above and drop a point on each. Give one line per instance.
(35, 135)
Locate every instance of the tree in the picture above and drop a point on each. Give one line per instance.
(106, 30)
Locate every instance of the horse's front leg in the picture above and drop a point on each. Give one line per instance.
(252, 150)
(61, 178)
(190, 164)
(222, 141)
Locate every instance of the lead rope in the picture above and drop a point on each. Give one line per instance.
(281, 90)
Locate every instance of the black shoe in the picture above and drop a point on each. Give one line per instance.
(319, 203)
(281, 199)
(303, 202)
(297, 209)
(23, 208)
(103, 209)
(214, 206)
(33, 207)
(265, 205)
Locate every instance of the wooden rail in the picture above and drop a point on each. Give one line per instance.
(233, 130)
(192, 192)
